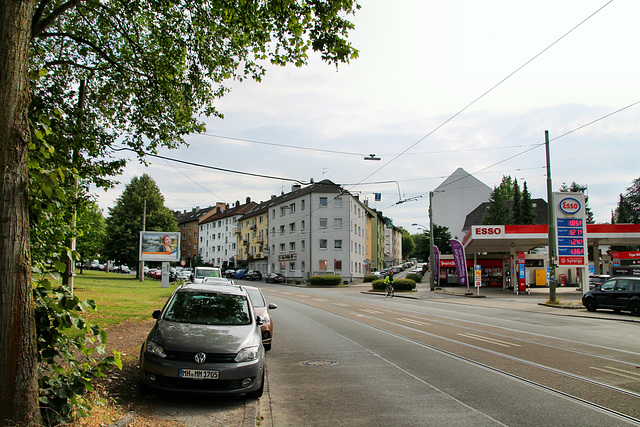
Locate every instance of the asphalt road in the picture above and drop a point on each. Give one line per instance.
(341, 357)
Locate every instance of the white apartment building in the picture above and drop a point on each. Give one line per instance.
(316, 230)
(218, 234)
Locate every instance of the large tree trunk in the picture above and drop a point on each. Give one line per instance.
(18, 377)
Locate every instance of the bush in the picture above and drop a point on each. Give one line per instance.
(415, 277)
(327, 280)
(371, 278)
(398, 285)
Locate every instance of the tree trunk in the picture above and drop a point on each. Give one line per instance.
(18, 375)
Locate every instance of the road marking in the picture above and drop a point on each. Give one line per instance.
(412, 321)
(489, 340)
(302, 296)
(611, 369)
(320, 300)
(341, 304)
(366, 310)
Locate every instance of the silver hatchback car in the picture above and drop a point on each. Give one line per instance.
(206, 340)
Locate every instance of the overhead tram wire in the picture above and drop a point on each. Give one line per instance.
(213, 167)
(488, 91)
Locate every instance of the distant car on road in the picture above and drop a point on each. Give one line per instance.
(598, 280)
(229, 273)
(253, 275)
(240, 274)
(275, 278)
(618, 294)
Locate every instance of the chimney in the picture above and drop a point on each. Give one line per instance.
(296, 187)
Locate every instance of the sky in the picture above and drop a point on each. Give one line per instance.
(438, 85)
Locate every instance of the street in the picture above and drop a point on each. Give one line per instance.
(341, 357)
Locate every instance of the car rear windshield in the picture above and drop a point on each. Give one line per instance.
(208, 309)
(200, 274)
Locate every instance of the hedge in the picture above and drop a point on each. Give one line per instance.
(370, 278)
(327, 280)
(415, 277)
(398, 285)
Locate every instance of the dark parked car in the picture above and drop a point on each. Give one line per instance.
(618, 294)
(275, 278)
(253, 275)
(206, 339)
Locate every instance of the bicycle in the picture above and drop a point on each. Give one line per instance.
(389, 291)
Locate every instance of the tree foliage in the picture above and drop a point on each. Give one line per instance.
(577, 188)
(138, 72)
(422, 242)
(509, 205)
(628, 209)
(126, 216)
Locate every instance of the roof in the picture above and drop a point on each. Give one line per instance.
(193, 215)
(476, 216)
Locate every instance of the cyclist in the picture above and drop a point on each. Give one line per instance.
(388, 281)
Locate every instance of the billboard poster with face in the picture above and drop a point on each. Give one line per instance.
(159, 246)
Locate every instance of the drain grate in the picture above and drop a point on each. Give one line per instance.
(319, 362)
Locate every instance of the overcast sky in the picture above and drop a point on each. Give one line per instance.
(438, 85)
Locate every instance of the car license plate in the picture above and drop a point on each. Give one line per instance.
(199, 374)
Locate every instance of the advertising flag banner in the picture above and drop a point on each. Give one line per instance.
(461, 261)
(435, 265)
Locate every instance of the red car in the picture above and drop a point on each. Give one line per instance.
(262, 310)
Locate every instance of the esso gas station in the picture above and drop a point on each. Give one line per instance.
(518, 256)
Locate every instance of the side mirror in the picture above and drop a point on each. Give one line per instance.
(156, 314)
(272, 306)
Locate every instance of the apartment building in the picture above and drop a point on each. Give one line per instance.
(189, 230)
(218, 232)
(253, 241)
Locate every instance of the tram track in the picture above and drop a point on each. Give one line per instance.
(418, 328)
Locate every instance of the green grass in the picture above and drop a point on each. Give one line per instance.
(120, 298)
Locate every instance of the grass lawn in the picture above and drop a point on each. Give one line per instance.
(120, 297)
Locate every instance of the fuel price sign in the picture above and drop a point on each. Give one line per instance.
(570, 229)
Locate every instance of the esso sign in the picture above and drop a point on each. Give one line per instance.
(569, 205)
(489, 231)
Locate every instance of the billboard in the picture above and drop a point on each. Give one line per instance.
(159, 246)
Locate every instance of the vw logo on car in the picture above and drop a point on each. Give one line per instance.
(200, 357)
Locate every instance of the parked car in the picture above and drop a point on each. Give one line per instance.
(206, 339)
(229, 273)
(253, 275)
(275, 278)
(618, 294)
(201, 273)
(240, 274)
(262, 310)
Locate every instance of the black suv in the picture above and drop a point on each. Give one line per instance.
(618, 293)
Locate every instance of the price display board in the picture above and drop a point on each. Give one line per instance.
(571, 227)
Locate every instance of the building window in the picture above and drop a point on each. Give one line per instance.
(337, 203)
(323, 264)
(337, 222)
(337, 264)
(337, 244)
(292, 266)
(301, 204)
(282, 229)
(302, 242)
(323, 202)
(302, 266)
(292, 246)
(323, 243)
(281, 247)
(283, 209)
(323, 222)
(292, 227)
(302, 225)
(292, 208)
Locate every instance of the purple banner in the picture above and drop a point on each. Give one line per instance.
(435, 265)
(461, 261)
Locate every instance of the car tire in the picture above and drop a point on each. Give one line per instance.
(635, 308)
(258, 393)
(267, 347)
(590, 304)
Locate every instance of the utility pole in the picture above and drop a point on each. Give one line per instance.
(70, 242)
(144, 225)
(431, 243)
(552, 227)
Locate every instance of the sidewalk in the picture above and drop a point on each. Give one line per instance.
(570, 300)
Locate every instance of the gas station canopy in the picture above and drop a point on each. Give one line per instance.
(508, 238)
